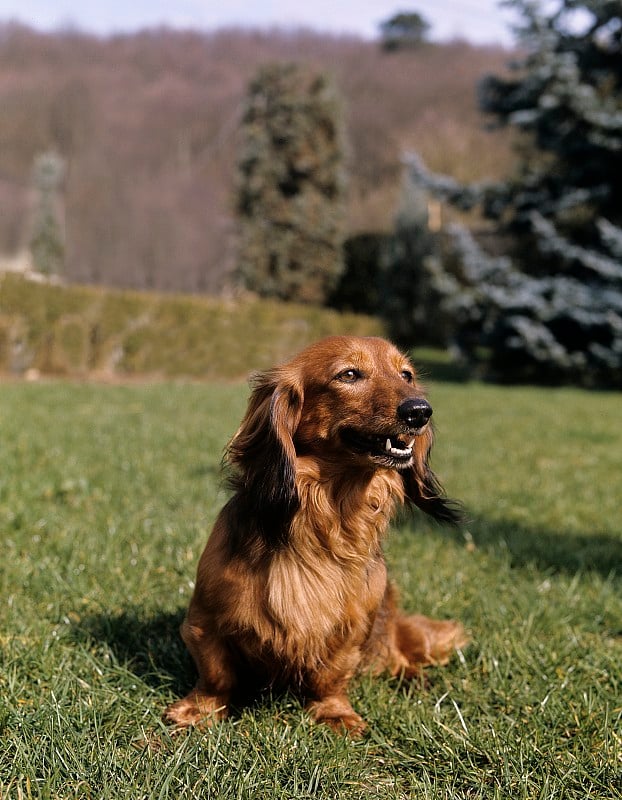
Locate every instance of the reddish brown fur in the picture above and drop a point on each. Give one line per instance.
(291, 587)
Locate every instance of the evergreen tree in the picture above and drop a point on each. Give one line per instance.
(46, 242)
(552, 309)
(410, 254)
(291, 185)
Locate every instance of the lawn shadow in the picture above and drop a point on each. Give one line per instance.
(547, 549)
(148, 644)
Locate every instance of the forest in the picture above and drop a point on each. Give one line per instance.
(147, 130)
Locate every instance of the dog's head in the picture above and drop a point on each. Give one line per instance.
(348, 400)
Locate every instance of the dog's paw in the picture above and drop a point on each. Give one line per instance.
(352, 725)
(339, 715)
(196, 710)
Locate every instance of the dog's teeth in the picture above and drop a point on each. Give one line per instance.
(399, 452)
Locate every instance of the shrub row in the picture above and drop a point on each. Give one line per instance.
(79, 331)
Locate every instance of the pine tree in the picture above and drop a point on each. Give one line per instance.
(551, 309)
(291, 185)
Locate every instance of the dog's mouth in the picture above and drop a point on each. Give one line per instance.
(389, 450)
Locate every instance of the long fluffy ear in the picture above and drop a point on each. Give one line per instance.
(423, 488)
(263, 455)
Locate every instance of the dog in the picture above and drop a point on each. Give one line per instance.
(292, 589)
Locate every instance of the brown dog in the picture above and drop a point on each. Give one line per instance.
(292, 588)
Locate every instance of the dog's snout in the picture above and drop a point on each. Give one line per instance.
(415, 412)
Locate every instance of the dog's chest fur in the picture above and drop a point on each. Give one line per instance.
(324, 587)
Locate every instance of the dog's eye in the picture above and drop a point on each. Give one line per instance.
(349, 376)
(407, 375)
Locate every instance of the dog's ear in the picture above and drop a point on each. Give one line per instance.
(422, 487)
(263, 455)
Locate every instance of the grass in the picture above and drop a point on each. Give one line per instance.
(107, 494)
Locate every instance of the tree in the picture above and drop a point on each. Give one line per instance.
(46, 243)
(291, 194)
(550, 309)
(405, 29)
(411, 254)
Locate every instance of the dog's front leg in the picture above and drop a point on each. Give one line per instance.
(327, 688)
(209, 700)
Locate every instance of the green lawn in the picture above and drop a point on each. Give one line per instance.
(107, 494)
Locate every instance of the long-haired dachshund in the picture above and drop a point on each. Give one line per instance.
(292, 588)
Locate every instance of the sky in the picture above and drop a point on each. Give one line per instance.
(478, 21)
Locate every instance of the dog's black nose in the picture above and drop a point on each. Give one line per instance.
(415, 412)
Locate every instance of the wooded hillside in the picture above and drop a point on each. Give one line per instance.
(147, 125)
